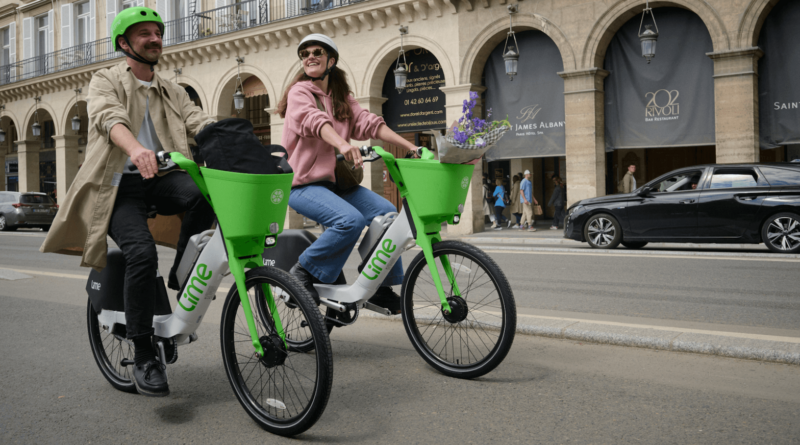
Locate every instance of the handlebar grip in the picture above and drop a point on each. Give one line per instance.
(339, 157)
(162, 160)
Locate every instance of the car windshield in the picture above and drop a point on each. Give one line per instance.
(35, 199)
(681, 181)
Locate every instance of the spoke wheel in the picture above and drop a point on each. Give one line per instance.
(298, 332)
(602, 232)
(287, 390)
(109, 349)
(781, 233)
(475, 337)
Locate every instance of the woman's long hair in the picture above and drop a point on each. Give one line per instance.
(340, 89)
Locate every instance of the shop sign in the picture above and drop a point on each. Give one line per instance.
(669, 102)
(778, 89)
(533, 102)
(421, 105)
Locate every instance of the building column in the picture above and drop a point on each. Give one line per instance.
(2, 168)
(585, 138)
(736, 104)
(293, 220)
(472, 218)
(28, 158)
(373, 171)
(67, 161)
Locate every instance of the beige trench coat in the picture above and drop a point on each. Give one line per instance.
(116, 96)
(516, 204)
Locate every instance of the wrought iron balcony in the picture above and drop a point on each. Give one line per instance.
(200, 25)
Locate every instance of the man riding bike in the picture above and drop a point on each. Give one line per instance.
(321, 116)
(134, 113)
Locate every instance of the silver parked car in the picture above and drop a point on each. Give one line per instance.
(26, 210)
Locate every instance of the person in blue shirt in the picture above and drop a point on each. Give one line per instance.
(499, 205)
(526, 197)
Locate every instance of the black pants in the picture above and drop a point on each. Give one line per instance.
(558, 217)
(171, 194)
(498, 214)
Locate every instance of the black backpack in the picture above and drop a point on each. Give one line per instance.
(231, 145)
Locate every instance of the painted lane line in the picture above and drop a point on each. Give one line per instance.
(780, 259)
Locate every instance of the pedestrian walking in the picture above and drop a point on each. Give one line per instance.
(516, 202)
(628, 183)
(557, 201)
(487, 200)
(499, 205)
(526, 195)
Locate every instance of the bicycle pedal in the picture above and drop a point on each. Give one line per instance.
(126, 362)
(376, 308)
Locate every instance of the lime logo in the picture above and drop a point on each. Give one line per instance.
(277, 196)
(199, 277)
(464, 182)
(386, 248)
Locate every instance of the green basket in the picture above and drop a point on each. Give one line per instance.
(247, 204)
(436, 189)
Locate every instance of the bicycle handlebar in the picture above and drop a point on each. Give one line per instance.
(162, 159)
(367, 150)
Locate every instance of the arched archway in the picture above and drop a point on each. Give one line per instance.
(662, 111)
(255, 102)
(752, 21)
(386, 55)
(222, 102)
(495, 33)
(606, 27)
(9, 171)
(778, 92)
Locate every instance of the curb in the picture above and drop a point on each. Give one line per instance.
(490, 245)
(742, 346)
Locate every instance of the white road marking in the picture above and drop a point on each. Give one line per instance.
(628, 255)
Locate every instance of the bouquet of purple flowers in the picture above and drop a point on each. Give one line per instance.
(474, 133)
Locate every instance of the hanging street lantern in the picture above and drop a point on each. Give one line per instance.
(76, 120)
(2, 132)
(238, 96)
(648, 36)
(511, 53)
(36, 128)
(401, 69)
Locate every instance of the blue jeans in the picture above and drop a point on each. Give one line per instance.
(345, 214)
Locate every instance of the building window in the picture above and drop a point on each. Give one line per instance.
(6, 43)
(48, 131)
(127, 4)
(255, 109)
(82, 16)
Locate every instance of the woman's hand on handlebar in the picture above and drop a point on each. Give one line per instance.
(352, 153)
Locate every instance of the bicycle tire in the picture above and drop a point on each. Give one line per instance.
(292, 411)
(422, 307)
(108, 350)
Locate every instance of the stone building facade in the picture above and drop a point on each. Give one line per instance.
(461, 34)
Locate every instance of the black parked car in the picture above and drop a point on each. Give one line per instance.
(718, 203)
(26, 210)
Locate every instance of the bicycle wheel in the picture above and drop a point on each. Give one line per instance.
(476, 336)
(285, 391)
(109, 349)
(298, 332)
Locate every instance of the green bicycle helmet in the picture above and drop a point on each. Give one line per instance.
(128, 18)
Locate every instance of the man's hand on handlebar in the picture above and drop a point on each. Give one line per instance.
(145, 162)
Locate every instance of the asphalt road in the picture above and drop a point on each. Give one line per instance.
(731, 293)
(546, 391)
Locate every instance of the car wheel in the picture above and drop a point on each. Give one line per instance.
(781, 233)
(4, 227)
(634, 244)
(602, 232)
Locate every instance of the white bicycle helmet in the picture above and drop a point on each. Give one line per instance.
(327, 43)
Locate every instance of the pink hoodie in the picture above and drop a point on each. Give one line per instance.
(311, 158)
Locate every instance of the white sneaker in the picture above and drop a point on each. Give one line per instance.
(553, 228)
(509, 223)
(515, 226)
(494, 224)
(498, 228)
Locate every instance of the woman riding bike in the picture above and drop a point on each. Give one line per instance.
(321, 116)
